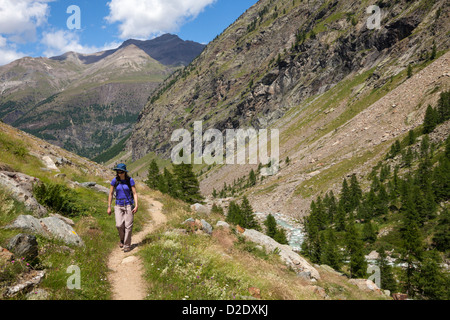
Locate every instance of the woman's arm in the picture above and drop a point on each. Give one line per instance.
(110, 197)
(135, 199)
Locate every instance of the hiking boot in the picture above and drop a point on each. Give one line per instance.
(121, 244)
(127, 249)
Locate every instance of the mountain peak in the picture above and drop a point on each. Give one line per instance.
(167, 49)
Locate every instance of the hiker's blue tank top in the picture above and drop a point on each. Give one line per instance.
(124, 195)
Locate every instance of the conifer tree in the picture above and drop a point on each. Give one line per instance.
(341, 218)
(369, 234)
(251, 178)
(441, 238)
(355, 193)
(153, 176)
(187, 183)
(312, 245)
(355, 247)
(443, 107)
(170, 184)
(412, 248)
(432, 282)
(234, 215)
(346, 197)
(280, 236)
(411, 137)
(387, 277)
(271, 226)
(248, 216)
(331, 255)
(332, 207)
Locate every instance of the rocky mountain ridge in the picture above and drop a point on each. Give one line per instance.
(88, 102)
(316, 72)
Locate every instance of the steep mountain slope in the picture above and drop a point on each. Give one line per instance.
(88, 102)
(314, 71)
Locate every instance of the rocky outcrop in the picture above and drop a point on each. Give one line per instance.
(51, 227)
(24, 246)
(291, 258)
(20, 186)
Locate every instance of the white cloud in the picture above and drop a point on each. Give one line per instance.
(145, 18)
(20, 18)
(62, 41)
(8, 53)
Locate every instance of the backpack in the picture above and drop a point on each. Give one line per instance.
(128, 182)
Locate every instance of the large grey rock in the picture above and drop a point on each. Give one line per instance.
(61, 230)
(51, 227)
(207, 228)
(222, 224)
(24, 246)
(200, 208)
(21, 188)
(27, 223)
(291, 258)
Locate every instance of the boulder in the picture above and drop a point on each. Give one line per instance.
(291, 258)
(26, 285)
(48, 227)
(366, 285)
(61, 230)
(206, 227)
(372, 256)
(222, 224)
(24, 246)
(200, 208)
(21, 188)
(49, 163)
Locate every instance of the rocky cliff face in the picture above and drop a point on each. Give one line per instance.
(86, 103)
(307, 69)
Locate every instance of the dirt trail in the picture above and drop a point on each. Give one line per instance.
(126, 275)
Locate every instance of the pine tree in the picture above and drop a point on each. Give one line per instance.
(407, 158)
(331, 255)
(382, 201)
(387, 277)
(430, 121)
(412, 248)
(187, 183)
(280, 236)
(441, 238)
(153, 176)
(411, 137)
(346, 198)
(409, 71)
(332, 207)
(355, 247)
(271, 226)
(432, 282)
(369, 234)
(251, 178)
(311, 245)
(355, 193)
(248, 216)
(443, 107)
(170, 184)
(341, 218)
(234, 215)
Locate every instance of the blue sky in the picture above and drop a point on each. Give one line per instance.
(40, 27)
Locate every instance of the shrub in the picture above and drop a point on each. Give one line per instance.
(59, 198)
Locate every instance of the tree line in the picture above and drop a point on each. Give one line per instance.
(412, 198)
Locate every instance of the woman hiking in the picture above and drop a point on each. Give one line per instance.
(126, 204)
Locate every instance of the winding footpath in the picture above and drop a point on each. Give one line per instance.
(126, 275)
